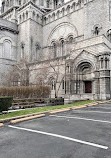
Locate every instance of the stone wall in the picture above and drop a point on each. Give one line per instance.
(8, 46)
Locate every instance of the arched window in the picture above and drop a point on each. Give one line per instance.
(70, 39)
(63, 10)
(102, 63)
(58, 14)
(53, 85)
(7, 49)
(62, 45)
(48, 3)
(20, 18)
(109, 34)
(37, 51)
(96, 29)
(37, 18)
(33, 14)
(63, 84)
(24, 1)
(26, 14)
(54, 48)
(3, 7)
(68, 9)
(53, 16)
(67, 68)
(106, 63)
(45, 20)
(19, 2)
(11, 2)
(55, 3)
(23, 16)
(15, 80)
(7, 3)
(22, 50)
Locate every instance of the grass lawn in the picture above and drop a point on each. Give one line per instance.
(42, 109)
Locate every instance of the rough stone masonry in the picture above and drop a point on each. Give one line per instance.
(70, 41)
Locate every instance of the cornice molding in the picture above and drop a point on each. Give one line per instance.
(8, 11)
(9, 29)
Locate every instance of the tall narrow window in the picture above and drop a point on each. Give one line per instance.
(96, 31)
(78, 87)
(67, 68)
(54, 48)
(62, 47)
(19, 2)
(20, 18)
(22, 50)
(47, 3)
(7, 49)
(75, 87)
(53, 85)
(110, 11)
(106, 63)
(55, 3)
(102, 62)
(63, 84)
(26, 14)
(37, 51)
(71, 39)
(3, 6)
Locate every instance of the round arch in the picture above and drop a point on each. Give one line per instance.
(62, 29)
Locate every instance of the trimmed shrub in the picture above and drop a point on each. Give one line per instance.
(5, 103)
(56, 101)
(26, 92)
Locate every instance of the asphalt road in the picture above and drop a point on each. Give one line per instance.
(83, 133)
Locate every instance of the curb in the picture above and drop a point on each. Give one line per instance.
(1, 124)
(92, 104)
(42, 114)
(79, 107)
(20, 117)
(57, 111)
(26, 119)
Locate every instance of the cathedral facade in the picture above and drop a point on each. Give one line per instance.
(67, 43)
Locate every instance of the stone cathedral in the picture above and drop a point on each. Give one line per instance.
(75, 36)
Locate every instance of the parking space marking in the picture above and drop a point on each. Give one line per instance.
(99, 108)
(81, 118)
(86, 111)
(60, 136)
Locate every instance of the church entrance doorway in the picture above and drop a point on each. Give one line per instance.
(88, 86)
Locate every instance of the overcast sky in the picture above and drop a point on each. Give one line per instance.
(65, 1)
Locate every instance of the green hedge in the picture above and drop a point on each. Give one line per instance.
(5, 103)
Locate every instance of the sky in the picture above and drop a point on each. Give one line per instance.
(65, 1)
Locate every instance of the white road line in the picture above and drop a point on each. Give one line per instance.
(101, 112)
(99, 108)
(60, 136)
(81, 118)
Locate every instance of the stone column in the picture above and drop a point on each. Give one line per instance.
(104, 77)
(104, 84)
